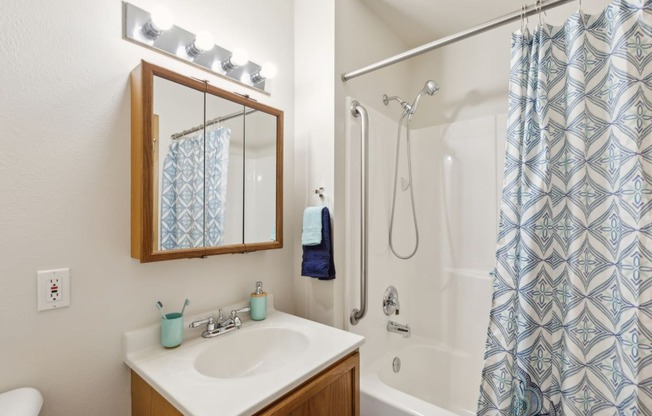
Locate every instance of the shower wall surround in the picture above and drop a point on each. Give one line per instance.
(445, 288)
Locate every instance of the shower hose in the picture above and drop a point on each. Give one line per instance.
(409, 163)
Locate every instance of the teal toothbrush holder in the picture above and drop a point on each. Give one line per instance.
(172, 330)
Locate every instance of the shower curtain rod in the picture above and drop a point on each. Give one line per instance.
(485, 27)
(211, 122)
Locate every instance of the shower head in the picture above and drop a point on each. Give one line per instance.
(429, 88)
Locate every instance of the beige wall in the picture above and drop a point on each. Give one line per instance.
(64, 169)
(314, 128)
(349, 31)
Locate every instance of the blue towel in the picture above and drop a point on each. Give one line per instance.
(318, 260)
(311, 235)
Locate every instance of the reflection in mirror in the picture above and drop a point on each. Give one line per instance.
(225, 120)
(178, 166)
(260, 177)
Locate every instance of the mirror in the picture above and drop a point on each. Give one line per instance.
(260, 177)
(206, 169)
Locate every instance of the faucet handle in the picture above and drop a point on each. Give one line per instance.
(210, 321)
(235, 318)
(390, 301)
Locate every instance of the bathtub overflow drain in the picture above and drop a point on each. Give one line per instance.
(396, 364)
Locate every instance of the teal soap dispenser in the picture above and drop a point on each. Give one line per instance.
(258, 303)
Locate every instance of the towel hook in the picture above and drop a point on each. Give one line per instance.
(320, 191)
(579, 6)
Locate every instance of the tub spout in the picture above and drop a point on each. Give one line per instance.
(399, 328)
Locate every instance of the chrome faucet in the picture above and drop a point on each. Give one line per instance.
(221, 325)
(399, 329)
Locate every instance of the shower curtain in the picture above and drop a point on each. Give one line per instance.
(192, 209)
(570, 330)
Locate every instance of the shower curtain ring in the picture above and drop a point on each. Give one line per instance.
(524, 21)
(540, 11)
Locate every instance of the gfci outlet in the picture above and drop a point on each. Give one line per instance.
(53, 289)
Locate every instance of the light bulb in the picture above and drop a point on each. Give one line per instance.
(239, 57)
(268, 70)
(161, 19)
(204, 41)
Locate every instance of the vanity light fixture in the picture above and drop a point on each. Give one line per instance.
(156, 31)
(203, 42)
(239, 57)
(267, 71)
(159, 22)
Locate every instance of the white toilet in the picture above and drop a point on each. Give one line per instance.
(25, 401)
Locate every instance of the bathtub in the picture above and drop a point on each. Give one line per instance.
(422, 386)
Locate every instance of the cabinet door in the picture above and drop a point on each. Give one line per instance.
(333, 392)
(145, 401)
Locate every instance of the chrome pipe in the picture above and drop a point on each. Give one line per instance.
(359, 110)
(485, 27)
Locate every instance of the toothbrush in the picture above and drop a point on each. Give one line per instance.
(159, 306)
(185, 303)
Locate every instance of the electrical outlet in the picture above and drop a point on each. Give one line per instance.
(53, 289)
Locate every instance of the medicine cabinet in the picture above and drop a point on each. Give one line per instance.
(206, 169)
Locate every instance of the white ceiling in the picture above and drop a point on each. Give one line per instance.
(420, 21)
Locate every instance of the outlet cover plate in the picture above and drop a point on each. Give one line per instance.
(53, 289)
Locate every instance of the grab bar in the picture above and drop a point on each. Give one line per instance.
(359, 110)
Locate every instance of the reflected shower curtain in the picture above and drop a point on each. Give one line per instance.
(570, 330)
(187, 201)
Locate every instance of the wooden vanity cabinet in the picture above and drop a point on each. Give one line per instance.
(333, 392)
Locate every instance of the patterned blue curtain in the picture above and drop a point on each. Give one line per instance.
(570, 329)
(187, 201)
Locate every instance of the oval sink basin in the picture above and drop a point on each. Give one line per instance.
(252, 352)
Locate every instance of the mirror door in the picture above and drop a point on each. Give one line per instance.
(225, 129)
(178, 139)
(260, 160)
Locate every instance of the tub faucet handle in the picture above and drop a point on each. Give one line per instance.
(390, 301)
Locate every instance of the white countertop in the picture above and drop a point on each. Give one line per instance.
(172, 373)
